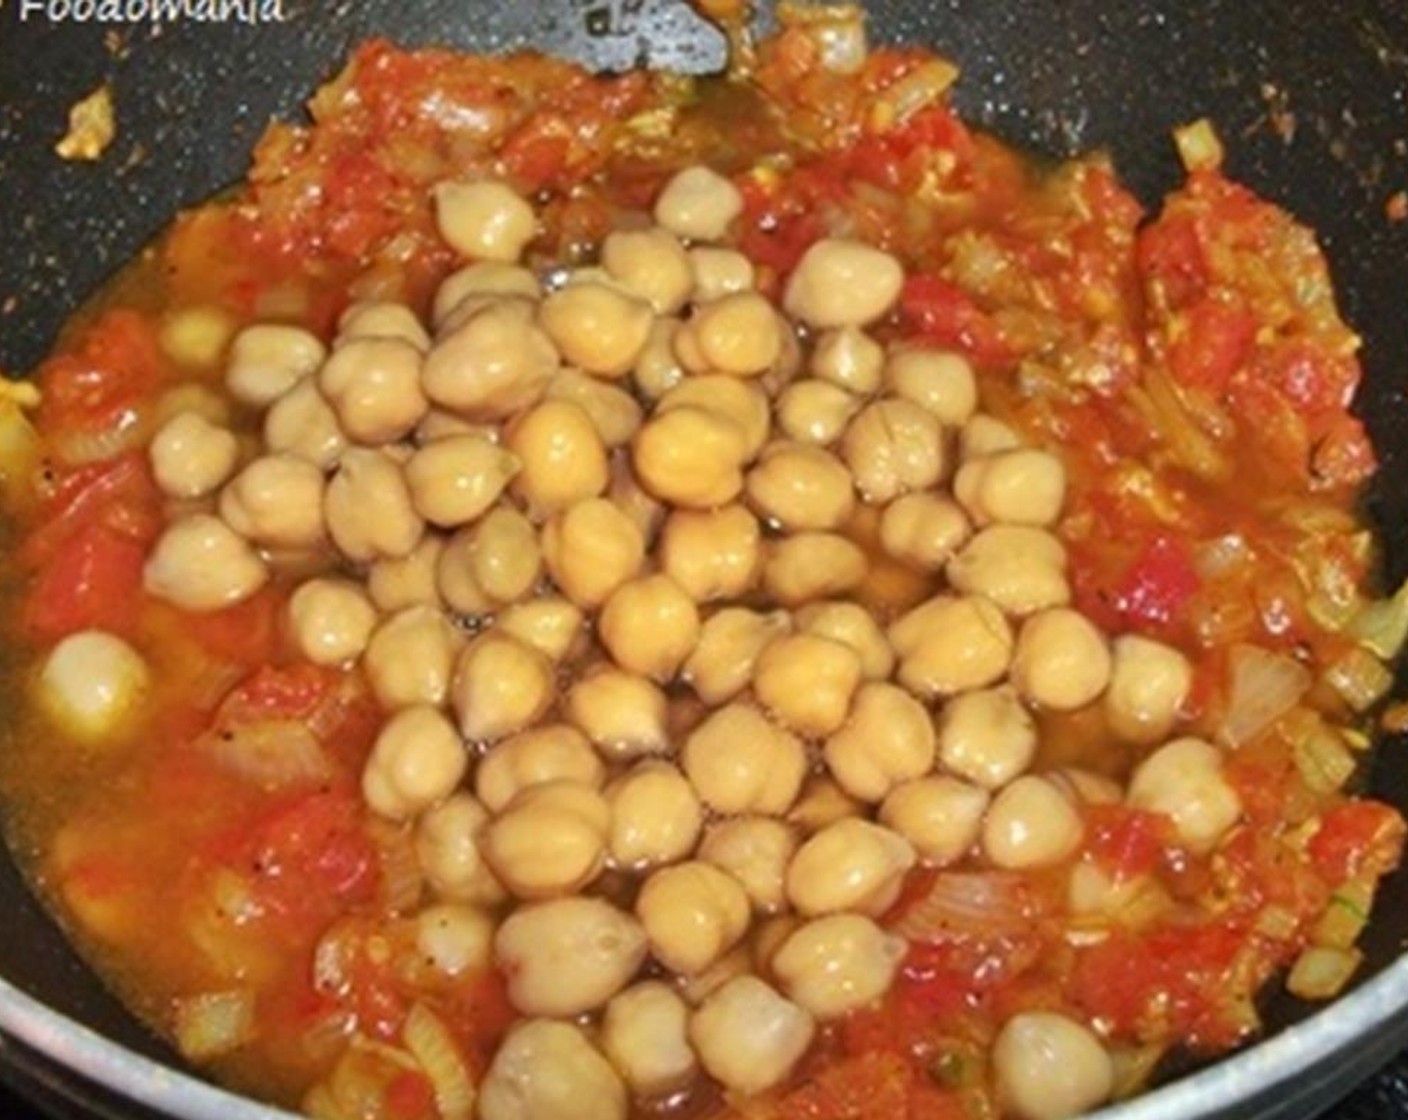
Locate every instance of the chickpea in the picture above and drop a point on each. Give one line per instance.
(276, 501)
(838, 964)
(851, 625)
(567, 956)
(645, 1034)
(657, 370)
(737, 334)
(693, 913)
(1085, 787)
(332, 620)
(417, 760)
(492, 364)
(439, 423)
(652, 264)
(740, 762)
(301, 423)
(923, 531)
(690, 457)
(1025, 486)
(823, 803)
(730, 641)
(381, 319)
(194, 397)
(195, 336)
(1061, 660)
(888, 738)
(268, 359)
(191, 456)
(801, 487)
(454, 480)
(655, 816)
(500, 686)
(455, 939)
(1020, 568)
(597, 328)
(745, 403)
(447, 849)
(695, 989)
(93, 683)
(407, 581)
(1030, 823)
(815, 412)
(748, 1037)
(1149, 682)
(201, 564)
(850, 865)
(807, 566)
(842, 283)
(563, 460)
(456, 585)
(939, 381)
(504, 559)
(487, 220)
(948, 645)
(613, 412)
(409, 657)
(368, 508)
(591, 550)
(985, 435)
(544, 1070)
(1184, 780)
(373, 384)
(849, 359)
(552, 626)
(622, 713)
(712, 554)
(987, 737)
(756, 852)
(893, 447)
(553, 752)
(549, 840)
(940, 816)
(1049, 1067)
(719, 272)
(483, 279)
(807, 682)
(649, 626)
(699, 204)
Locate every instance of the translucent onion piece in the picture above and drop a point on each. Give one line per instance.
(273, 754)
(434, 1048)
(1264, 687)
(976, 904)
(214, 1023)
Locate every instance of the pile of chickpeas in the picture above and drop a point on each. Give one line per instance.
(589, 535)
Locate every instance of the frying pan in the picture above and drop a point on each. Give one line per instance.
(1311, 97)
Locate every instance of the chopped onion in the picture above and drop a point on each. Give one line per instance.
(81, 446)
(1382, 626)
(1264, 687)
(214, 1023)
(837, 31)
(1322, 973)
(1134, 1067)
(434, 1048)
(1198, 145)
(274, 754)
(920, 88)
(401, 878)
(1324, 762)
(983, 904)
(19, 443)
(1360, 678)
(1346, 915)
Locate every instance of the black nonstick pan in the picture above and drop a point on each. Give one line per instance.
(1312, 99)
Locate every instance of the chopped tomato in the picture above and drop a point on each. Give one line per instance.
(1344, 456)
(246, 633)
(294, 692)
(1170, 256)
(116, 365)
(119, 493)
(1127, 842)
(1215, 341)
(1152, 591)
(1358, 838)
(314, 855)
(943, 314)
(410, 1097)
(94, 581)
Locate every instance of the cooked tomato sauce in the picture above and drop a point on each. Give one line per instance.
(1188, 364)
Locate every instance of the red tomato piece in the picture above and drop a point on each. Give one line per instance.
(1157, 585)
(314, 855)
(94, 581)
(1216, 341)
(1170, 254)
(1127, 842)
(942, 313)
(1344, 456)
(410, 1097)
(245, 633)
(115, 365)
(119, 493)
(294, 692)
(1358, 838)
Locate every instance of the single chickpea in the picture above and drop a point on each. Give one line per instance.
(455, 939)
(622, 713)
(690, 457)
(1061, 661)
(1030, 823)
(563, 460)
(381, 319)
(487, 220)
(409, 658)
(1184, 780)
(645, 1034)
(923, 530)
(888, 738)
(373, 384)
(544, 1070)
(368, 509)
(737, 334)
(614, 413)
(597, 328)
(301, 423)
(938, 381)
(567, 956)
(201, 564)
(456, 586)
(940, 816)
(195, 397)
(850, 865)
(807, 682)
(842, 283)
(693, 913)
(652, 264)
(721, 664)
(748, 1037)
(657, 370)
(893, 447)
(743, 402)
(985, 435)
(454, 480)
(1025, 486)
(407, 581)
(479, 280)
(493, 364)
(987, 737)
(712, 554)
(276, 501)
(807, 566)
(268, 359)
(699, 204)
(552, 752)
(740, 762)
(948, 645)
(1149, 682)
(837, 964)
(1049, 1067)
(849, 359)
(1020, 568)
(756, 852)
(549, 840)
(815, 412)
(331, 620)
(719, 272)
(801, 487)
(417, 760)
(191, 457)
(851, 625)
(649, 626)
(504, 559)
(196, 337)
(822, 803)
(551, 625)
(500, 686)
(92, 684)
(655, 816)
(591, 550)
(447, 849)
